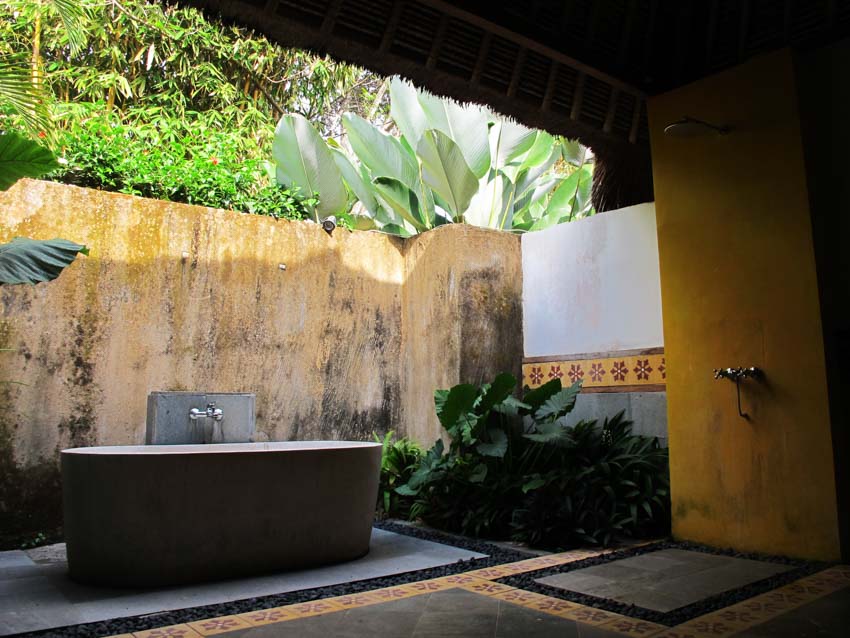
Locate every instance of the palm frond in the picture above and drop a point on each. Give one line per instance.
(73, 15)
(26, 98)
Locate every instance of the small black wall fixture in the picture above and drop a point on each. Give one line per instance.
(329, 224)
(737, 375)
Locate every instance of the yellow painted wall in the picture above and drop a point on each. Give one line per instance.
(739, 287)
(333, 346)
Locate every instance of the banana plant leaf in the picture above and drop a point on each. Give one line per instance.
(406, 111)
(304, 160)
(444, 170)
(509, 140)
(382, 154)
(32, 261)
(398, 198)
(21, 157)
(466, 125)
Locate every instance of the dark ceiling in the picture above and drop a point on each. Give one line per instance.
(581, 68)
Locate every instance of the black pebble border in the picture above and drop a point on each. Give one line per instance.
(677, 616)
(495, 556)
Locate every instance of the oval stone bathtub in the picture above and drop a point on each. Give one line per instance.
(153, 515)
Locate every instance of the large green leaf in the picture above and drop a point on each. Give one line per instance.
(406, 110)
(363, 190)
(498, 391)
(497, 446)
(31, 261)
(402, 201)
(538, 396)
(445, 171)
(489, 204)
(559, 403)
(509, 140)
(552, 432)
(465, 124)
(21, 157)
(540, 156)
(383, 154)
(304, 160)
(459, 402)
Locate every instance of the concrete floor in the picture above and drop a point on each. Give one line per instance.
(35, 592)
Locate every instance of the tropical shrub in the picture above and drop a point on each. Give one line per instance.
(522, 469)
(399, 459)
(187, 161)
(155, 99)
(451, 164)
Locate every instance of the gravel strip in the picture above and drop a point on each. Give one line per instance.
(495, 556)
(677, 616)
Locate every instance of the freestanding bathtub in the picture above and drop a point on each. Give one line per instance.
(154, 515)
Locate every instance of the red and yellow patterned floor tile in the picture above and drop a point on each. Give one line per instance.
(223, 624)
(172, 631)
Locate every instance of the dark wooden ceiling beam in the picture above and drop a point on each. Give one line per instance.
(392, 25)
(743, 27)
(481, 60)
(532, 45)
(626, 36)
(551, 84)
(711, 31)
(440, 36)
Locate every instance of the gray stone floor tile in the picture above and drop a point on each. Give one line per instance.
(459, 599)
(827, 617)
(458, 622)
(327, 626)
(62, 602)
(664, 580)
(575, 581)
(614, 571)
(14, 558)
(589, 631)
(515, 621)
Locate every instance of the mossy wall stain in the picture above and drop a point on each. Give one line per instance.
(351, 338)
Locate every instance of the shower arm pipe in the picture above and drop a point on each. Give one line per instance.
(737, 375)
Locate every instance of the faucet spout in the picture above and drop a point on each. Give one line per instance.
(211, 412)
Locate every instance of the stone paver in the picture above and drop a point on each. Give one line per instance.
(666, 579)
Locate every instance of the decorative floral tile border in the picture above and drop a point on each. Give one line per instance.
(718, 624)
(602, 372)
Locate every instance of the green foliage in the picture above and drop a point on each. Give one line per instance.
(30, 261)
(399, 459)
(143, 53)
(154, 99)
(163, 160)
(451, 164)
(20, 157)
(520, 468)
(20, 95)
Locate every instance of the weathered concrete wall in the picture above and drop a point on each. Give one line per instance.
(335, 346)
(463, 316)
